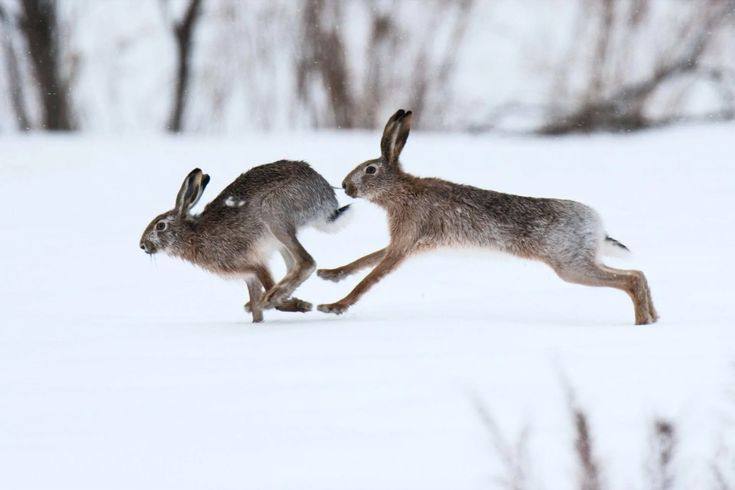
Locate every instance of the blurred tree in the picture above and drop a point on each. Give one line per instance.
(16, 92)
(413, 69)
(323, 56)
(610, 98)
(432, 71)
(622, 65)
(184, 35)
(384, 40)
(38, 23)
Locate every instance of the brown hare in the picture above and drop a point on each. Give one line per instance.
(261, 211)
(427, 213)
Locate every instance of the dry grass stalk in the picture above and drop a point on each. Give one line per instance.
(663, 450)
(514, 457)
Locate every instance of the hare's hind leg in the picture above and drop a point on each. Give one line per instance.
(341, 272)
(640, 289)
(256, 294)
(591, 273)
(289, 305)
(301, 268)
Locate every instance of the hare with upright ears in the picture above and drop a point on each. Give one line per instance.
(261, 211)
(427, 213)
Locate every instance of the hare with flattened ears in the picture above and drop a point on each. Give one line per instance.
(427, 213)
(258, 213)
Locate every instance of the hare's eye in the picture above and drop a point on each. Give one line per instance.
(161, 226)
(370, 169)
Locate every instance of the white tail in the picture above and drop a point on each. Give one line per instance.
(613, 248)
(336, 221)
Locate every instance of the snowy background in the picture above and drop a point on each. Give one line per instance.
(121, 371)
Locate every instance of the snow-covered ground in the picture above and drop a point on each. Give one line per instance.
(122, 372)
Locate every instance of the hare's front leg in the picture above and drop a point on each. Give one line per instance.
(341, 272)
(391, 260)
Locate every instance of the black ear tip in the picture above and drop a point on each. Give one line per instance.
(205, 180)
(401, 115)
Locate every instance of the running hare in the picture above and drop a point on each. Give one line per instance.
(426, 213)
(259, 212)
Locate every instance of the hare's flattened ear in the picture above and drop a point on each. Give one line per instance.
(191, 190)
(395, 135)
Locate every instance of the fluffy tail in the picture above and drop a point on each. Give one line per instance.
(614, 248)
(335, 221)
(337, 213)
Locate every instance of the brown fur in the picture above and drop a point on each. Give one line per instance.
(427, 213)
(260, 212)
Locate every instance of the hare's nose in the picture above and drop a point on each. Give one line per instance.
(143, 247)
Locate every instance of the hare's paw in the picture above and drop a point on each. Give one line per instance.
(274, 297)
(257, 315)
(646, 318)
(294, 305)
(335, 275)
(336, 308)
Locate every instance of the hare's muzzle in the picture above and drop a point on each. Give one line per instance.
(349, 188)
(147, 247)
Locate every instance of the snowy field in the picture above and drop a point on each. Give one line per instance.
(122, 372)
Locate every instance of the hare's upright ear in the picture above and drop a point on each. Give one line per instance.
(395, 135)
(191, 190)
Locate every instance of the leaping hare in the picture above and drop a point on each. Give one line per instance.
(426, 213)
(259, 212)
